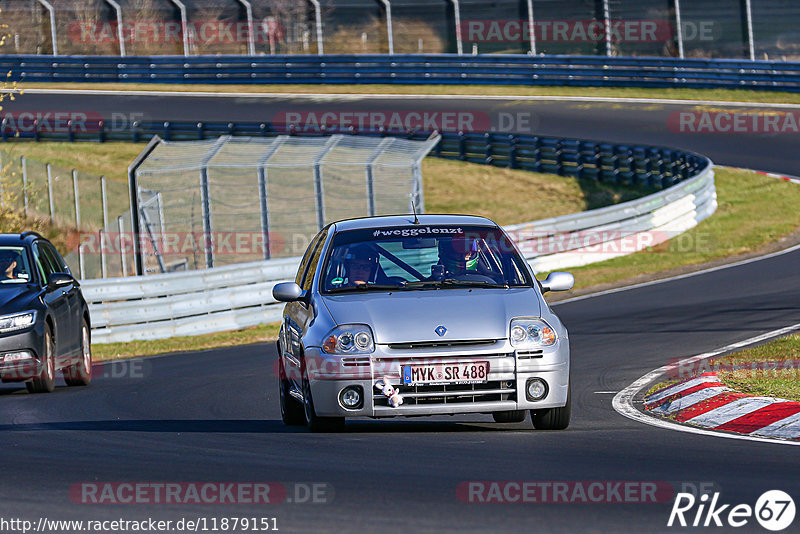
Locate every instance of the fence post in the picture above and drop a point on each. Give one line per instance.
(749, 18)
(607, 26)
(104, 201)
(50, 190)
(121, 228)
(77, 202)
(319, 193)
(457, 14)
(678, 25)
(24, 185)
(531, 32)
(81, 266)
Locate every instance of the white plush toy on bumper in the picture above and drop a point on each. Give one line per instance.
(395, 399)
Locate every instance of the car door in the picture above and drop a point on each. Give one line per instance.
(297, 314)
(73, 296)
(56, 299)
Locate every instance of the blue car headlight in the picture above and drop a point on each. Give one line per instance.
(349, 339)
(531, 333)
(17, 321)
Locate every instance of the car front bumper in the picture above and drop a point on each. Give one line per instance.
(509, 371)
(19, 355)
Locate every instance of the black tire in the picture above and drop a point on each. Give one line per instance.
(552, 418)
(514, 416)
(292, 412)
(80, 374)
(45, 382)
(314, 422)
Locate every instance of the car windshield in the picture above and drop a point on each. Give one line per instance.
(422, 257)
(14, 268)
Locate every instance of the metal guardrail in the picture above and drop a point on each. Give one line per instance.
(450, 69)
(237, 296)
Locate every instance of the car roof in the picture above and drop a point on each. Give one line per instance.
(408, 220)
(17, 240)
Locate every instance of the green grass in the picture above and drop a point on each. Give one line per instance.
(732, 95)
(776, 372)
(754, 211)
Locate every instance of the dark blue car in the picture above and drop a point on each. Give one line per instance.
(44, 320)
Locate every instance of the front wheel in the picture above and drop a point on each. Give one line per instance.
(292, 413)
(552, 418)
(80, 374)
(45, 382)
(314, 422)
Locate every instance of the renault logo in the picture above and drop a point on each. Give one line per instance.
(441, 331)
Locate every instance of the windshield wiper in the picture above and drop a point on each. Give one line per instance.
(363, 287)
(452, 282)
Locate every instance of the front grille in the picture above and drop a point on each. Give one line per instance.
(492, 391)
(440, 344)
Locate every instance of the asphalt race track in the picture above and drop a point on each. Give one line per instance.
(643, 123)
(214, 416)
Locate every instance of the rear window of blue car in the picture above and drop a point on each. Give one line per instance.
(411, 256)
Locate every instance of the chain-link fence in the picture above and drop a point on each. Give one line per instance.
(766, 29)
(100, 213)
(233, 200)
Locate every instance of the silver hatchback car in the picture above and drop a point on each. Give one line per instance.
(414, 316)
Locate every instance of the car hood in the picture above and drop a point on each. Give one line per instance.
(406, 316)
(16, 297)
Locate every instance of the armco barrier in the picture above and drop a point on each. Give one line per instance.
(237, 296)
(448, 69)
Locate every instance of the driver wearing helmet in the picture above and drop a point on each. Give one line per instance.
(360, 265)
(458, 255)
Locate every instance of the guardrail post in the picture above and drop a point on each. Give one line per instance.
(462, 146)
(36, 130)
(101, 131)
(512, 152)
(50, 190)
(77, 201)
(24, 185)
(201, 131)
(70, 132)
(167, 133)
(537, 154)
(488, 157)
(135, 131)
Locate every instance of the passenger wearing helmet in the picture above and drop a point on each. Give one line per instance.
(360, 265)
(458, 254)
(8, 262)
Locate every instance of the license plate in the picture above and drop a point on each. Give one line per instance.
(445, 373)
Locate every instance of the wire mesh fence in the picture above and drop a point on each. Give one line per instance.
(700, 28)
(93, 221)
(237, 199)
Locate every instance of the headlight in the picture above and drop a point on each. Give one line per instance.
(531, 333)
(17, 321)
(349, 339)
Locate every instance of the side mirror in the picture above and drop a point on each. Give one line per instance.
(59, 280)
(558, 281)
(287, 292)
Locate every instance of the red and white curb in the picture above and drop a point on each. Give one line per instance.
(784, 177)
(625, 402)
(706, 402)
